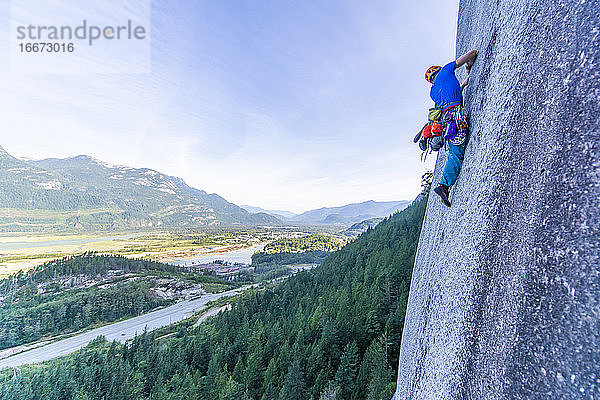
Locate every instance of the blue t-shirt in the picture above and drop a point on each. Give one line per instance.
(446, 88)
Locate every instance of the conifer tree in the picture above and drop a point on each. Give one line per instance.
(293, 388)
(346, 372)
(269, 393)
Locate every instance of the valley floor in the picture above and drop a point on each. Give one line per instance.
(25, 251)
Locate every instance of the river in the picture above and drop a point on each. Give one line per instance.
(243, 256)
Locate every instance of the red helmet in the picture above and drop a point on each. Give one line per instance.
(430, 73)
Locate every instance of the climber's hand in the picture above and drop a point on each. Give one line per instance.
(468, 59)
(470, 62)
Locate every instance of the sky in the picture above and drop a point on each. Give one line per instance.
(289, 105)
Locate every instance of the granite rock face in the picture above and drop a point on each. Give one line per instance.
(505, 297)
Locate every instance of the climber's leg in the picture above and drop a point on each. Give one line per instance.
(456, 155)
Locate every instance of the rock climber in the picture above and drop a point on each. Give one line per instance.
(446, 92)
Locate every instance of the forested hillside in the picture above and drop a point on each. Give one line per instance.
(302, 244)
(312, 249)
(332, 332)
(74, 293)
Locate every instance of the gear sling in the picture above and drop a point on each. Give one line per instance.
(445, 123)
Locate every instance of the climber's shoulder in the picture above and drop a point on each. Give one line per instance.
(449, 68)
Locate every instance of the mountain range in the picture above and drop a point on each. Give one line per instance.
(282, 214)
(356, 229)
(85, 193)
(350, 213)
(82, 192)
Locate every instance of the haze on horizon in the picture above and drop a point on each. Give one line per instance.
(288, 106)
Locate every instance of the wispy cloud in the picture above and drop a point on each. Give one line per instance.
(279, 104)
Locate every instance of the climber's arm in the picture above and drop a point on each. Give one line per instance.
(467, 59)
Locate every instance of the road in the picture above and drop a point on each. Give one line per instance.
(120, 331)
(211, 313)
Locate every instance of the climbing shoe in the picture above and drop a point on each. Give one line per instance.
(444, 193)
